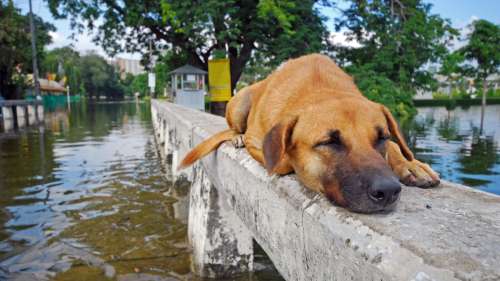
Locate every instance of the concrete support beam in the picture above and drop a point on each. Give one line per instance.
(31, 110)
(31, 114)
(40, 112)
(21, 116)
(446, 233)
(7, 112)
(222, 246)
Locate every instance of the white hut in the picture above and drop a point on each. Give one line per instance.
(188, 86)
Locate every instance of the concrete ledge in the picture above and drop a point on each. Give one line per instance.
(448, 233)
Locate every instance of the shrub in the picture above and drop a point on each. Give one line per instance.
(440, 96)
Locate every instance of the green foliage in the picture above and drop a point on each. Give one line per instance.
(254, 71)
(397, 39)
(440, 96)
(459, 94)
(280, 29)
(482, 52)
(483, 49)
(65, 63)
(451, 65)
(494, 93)
(166, 63)
(381, 89)
(456, 94)
(15, 47)
(88, 75)
(127, 84)
(99, 78)
(140, 85)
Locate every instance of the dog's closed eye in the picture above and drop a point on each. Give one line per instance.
(334, 140)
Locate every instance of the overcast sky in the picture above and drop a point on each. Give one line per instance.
(460, 12)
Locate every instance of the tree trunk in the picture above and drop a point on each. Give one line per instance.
(236, 71)
(483, 105)
(238, 61)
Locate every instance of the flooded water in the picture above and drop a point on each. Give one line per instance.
(85, 197)
(450, 140)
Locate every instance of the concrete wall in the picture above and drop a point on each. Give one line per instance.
(448, 233)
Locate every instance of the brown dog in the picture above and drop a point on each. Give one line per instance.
(309, 117)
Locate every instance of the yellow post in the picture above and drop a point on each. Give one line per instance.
(219, 79)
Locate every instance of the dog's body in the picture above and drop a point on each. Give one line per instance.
(309, 117)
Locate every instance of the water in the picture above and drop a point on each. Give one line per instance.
(85, 195)
(451, 142)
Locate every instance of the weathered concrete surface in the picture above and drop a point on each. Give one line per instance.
(222, 245)
(7, 112)
(446, 233)
(39, 110)
(21, 116)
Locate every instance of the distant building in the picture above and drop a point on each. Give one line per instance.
(125, 66)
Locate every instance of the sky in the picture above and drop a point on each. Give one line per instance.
(460, 12)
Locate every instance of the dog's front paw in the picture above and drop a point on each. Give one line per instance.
(238, 141)
(416, 173)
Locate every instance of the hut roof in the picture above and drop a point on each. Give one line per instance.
(50, 86)
(188, 69)
(47, 85)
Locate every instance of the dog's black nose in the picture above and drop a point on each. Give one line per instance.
(384, 190)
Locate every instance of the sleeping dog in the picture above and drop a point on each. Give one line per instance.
(309, 117)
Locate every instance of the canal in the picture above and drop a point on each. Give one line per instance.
(86, 195)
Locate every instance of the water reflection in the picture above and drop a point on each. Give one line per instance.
(449, 139)
(86, 197)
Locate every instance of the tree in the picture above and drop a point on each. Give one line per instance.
(483, 49)
(127, 84)
(15, 47)
(140, 85)
(483, 53)
(397, 39)
(99, 78)
(66, 63)
(279, 28)
(451, 67)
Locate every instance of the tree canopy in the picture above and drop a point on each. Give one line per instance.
(280, 29)
(89, 75)
(99, 78)
(482, 49)
(397, 39)
(15, 47)
(65, 63)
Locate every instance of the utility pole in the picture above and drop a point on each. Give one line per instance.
(151, 74)
(33, 49)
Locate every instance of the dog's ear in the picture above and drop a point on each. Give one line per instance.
(276, 143)
(396, 133)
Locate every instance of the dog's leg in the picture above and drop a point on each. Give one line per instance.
(238, 109)
(412, 173)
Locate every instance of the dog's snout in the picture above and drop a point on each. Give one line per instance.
(384, 190)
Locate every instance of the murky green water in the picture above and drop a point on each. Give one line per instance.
(84, 196)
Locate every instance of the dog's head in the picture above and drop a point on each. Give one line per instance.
(339, 149)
